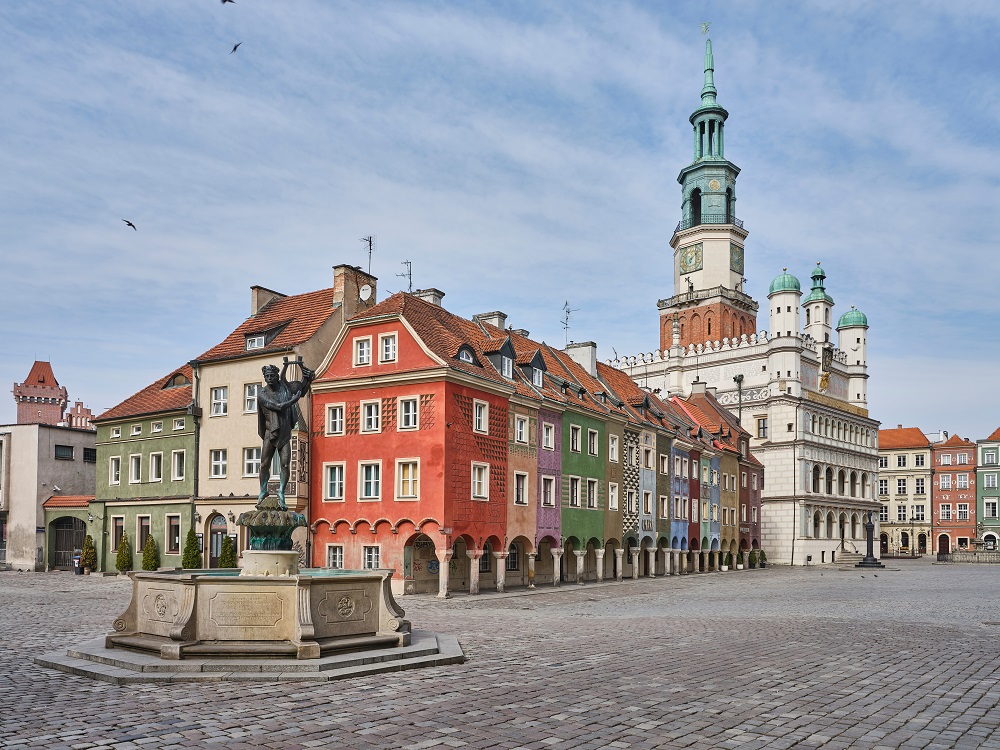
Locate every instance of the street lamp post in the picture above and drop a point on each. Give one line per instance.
(869, 560)
(913, 512)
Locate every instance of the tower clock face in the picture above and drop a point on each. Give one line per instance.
(714, 185)
(736, 258)
(691, 258)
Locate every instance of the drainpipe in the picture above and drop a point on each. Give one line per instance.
(795, 508)
(195, 411)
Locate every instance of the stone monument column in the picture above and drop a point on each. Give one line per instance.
(600, 564)
(619, 554)
(635, 562)
(474, 556)
(530, 557)
(444, 561)
(580, 554)
(501, 558)
(557, 554)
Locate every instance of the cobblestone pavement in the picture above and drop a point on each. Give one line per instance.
(755, 659)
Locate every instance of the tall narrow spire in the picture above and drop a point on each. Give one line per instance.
(708, 91)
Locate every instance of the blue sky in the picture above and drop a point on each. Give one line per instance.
(519, 154)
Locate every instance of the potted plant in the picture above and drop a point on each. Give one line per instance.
(192, 555)
(150, 554)
(739, 561)
(88, 557)
(227, 556)
(753, 558)
(763, 559)
(727, 562)
(123, 561)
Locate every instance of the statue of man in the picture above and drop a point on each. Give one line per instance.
(277, 415)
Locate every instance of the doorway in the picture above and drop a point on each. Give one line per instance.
(69, 534)
(217, 530)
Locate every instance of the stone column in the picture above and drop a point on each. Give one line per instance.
(668, 562)
(556, 557)
(474, 555)
(651, 562)
(619, 554)
(675, 562)
(444, 561)
(579, 564)
(713, 563)
(501, 558)
(530, 557)
(635, 563)
(600, 564)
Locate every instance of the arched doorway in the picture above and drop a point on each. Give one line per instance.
(420, 556)
(904, 541)
(217, 530)
(990, 541)
(883, 543)
(922, 544)
(68, 534)
(944, 544)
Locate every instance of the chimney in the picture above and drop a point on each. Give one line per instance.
(495, 318)
(584, 354)
(353, 289)
(432, 295)
(698, 386)
(712, 390)
(260, 296)
(521, 332)
(899, 426)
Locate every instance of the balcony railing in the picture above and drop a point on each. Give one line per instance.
(709, 219)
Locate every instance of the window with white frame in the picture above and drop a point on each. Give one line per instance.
(250, 398)
(574, 492)
(631, 502)
(883, 462)
(677, 466)
(664, 508)
(743, 512)
(678, 508)
(946, 459)
(387, 347)
(177, 465)
(548, 492)
(370, 557)
(990, 480)
(883, 486)
(989, 458)
(962, 481)
(612, 496)
(335, 419)
(218, 457)
(480, 481)
(370, 480)
(753, 513)
(117, 531)
(963, 458)
(155, 467)
(466, 356)
(574, 438)
(918, 486)
(647, 458)
(520, 488)
(172, 544)
(116, 432)
(520, 429)
(592, 442)
(591, 493)
(481, 416)
(990, 508)
(613, 448)
(220, 401)
(945, 482)
(536, 380)
(647, 503)
(371, 416)
(684, 468)
(945, 511)
(744, 479)
(156, 427)
(883, 514)
(918, 512)
(333, 482)
(362, 351)
(335, 556)
(115, 470)
(255, 342)
(408, 479)
(251, 462)
(179, 423)
(507, 367)
(963, 512)
(137, 429)
(753, 481)
(900, 486)
(408, 410)
(134, 469)
(664, 463)
(548, 436)
(762, 427)
(918, 459)
(901, 461)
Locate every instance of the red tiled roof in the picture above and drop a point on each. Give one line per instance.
(301, 315)
(41, 373)
(995, 435)
(902, 437)
(154, 398)
(68, 501)
(954, 442)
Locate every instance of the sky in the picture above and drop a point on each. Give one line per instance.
(519, 154)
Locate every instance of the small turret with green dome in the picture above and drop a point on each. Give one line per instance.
(818, 291)
(784, 282)
(852, 319)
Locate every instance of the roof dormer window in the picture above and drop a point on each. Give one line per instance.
(507, 367)
(465, 355)
(255, 342)
(536, 377)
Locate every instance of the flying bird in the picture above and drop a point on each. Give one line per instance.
(237, 43)
(229, 1)
(129, 223)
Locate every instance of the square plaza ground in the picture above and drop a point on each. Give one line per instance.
(780, 658)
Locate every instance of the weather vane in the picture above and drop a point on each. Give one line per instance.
(704, 26)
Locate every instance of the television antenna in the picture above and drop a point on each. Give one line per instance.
(407, 274)
(369, 240)
(565, 321)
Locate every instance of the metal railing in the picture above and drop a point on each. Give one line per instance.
(709, 219)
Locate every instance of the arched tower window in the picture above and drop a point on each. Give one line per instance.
(807, 316)
(695, 207)
(827, 317)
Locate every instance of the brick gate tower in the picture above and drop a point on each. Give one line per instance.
(40, 399)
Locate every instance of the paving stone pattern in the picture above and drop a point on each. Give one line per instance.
(781, 658)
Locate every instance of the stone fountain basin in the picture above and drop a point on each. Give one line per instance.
(211, 613)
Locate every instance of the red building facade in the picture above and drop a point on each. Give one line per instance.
(953, 497)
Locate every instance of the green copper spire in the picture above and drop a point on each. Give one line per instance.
(709, 91)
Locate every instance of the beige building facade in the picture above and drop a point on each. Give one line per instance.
(904, 491)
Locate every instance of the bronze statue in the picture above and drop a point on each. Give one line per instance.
(277, 415)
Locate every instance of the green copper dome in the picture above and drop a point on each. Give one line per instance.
(784, 282)
(852, 318)
(818, 291)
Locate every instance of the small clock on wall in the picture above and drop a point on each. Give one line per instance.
(691, 258)
(714, 185)
(736, 258)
